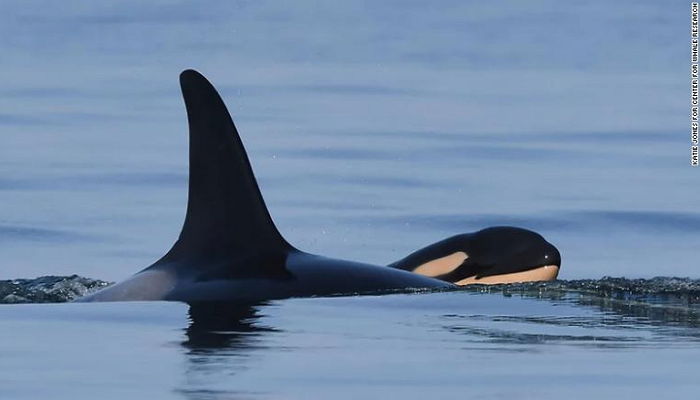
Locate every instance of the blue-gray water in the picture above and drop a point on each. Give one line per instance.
(374, 128)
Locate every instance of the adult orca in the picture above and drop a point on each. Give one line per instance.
(229, 249)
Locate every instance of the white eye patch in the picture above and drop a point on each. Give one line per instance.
(443, 265)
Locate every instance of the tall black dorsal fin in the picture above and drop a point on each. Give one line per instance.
(226, 214)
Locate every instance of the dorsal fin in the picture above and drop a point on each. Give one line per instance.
(226, 214)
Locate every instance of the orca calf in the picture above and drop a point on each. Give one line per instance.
(229, 249)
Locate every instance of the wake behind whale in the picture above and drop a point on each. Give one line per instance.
(659, 290)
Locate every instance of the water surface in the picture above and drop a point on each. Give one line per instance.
(411, 346)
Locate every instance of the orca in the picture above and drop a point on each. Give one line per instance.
(229, 249)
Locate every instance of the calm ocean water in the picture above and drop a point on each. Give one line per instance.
(374, 128)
